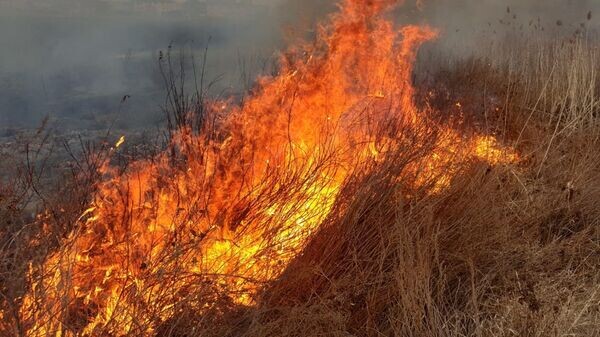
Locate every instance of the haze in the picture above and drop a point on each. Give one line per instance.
(75, 60)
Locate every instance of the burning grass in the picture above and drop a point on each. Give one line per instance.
(330, 203)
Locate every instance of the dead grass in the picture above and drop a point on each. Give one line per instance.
(504, 251)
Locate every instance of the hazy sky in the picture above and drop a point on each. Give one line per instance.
(76, 59)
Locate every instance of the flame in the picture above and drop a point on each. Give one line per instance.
(120, 142)
(248, 192)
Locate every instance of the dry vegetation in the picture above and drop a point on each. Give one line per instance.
(507, 250)
(510, 251)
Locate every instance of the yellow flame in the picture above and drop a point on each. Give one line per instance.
(120, 142)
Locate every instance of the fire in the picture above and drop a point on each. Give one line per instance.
(247, 193)
(120, 142)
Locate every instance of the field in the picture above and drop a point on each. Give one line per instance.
(372, 186)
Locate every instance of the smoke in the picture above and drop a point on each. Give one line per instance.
(468, 23)
(475, 12)
(75, 60)
(76, 64)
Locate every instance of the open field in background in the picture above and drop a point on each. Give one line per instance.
(503, 250)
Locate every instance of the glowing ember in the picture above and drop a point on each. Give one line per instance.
(120, 142)
(246, 194)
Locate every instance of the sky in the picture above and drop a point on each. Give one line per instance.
(74, 60)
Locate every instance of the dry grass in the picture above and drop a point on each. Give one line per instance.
(504, 251)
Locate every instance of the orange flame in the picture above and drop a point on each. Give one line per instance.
(249, 191)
